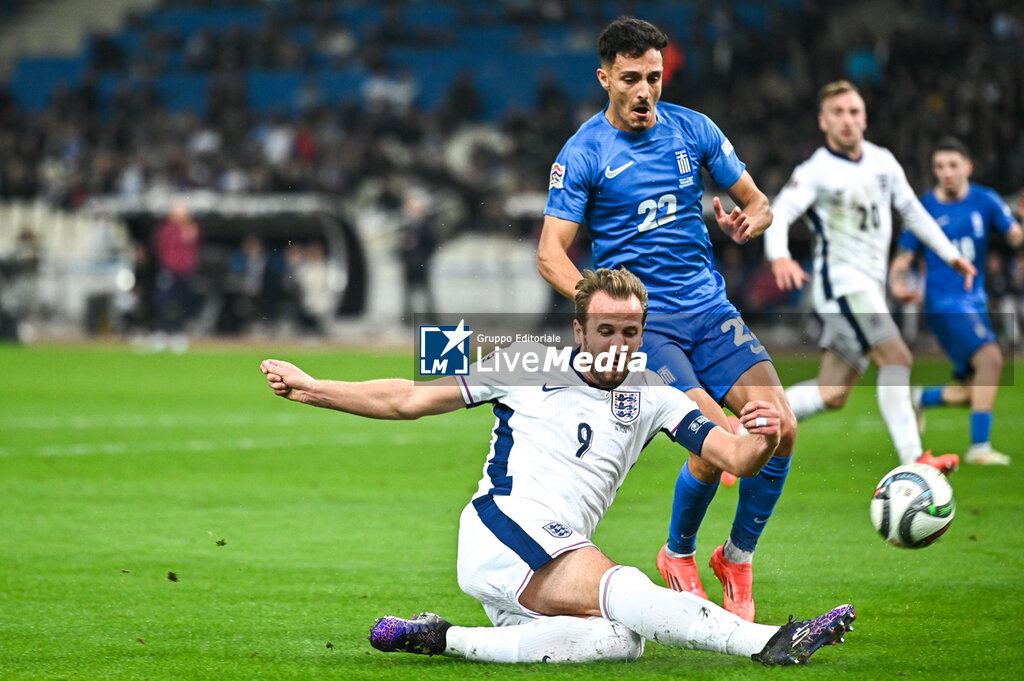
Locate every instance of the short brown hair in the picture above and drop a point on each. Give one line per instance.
(620, 284)
(631, 37)
(952, 144)
(836, 87)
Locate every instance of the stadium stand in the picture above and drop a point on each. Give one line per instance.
(366, 101)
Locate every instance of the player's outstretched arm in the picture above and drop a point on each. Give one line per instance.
(752, 214)
(745, 455)
(388, 398)
(553, 261)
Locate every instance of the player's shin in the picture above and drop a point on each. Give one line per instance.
(805, 399)
(758, 496)
(675, 618)
(689, 505)
(897, 407)
(547, 639)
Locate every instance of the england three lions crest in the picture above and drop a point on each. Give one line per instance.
(625, 405)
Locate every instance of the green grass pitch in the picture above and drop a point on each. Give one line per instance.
(167, 517)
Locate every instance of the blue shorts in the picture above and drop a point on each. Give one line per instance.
(961, 334)
(710, 350)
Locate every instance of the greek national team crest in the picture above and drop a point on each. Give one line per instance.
(683, 160)
(686, 174)
(625, 405)
(557, 529)
(444, 350)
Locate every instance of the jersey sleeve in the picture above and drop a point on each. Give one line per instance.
(793, 201)
(719, 157)
(680, 417)
(570, 182)
(479, 386)
(909, 242)
(1001, 216)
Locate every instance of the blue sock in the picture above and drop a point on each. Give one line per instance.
(931, 397)
(981, 427)
(758, 496)
(688, 509)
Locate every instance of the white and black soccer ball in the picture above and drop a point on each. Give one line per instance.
(912, 506)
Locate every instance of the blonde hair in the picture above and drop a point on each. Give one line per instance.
(836, 87)
(620, 284)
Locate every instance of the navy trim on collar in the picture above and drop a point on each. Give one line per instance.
(843, 156)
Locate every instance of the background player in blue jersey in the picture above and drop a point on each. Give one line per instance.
(632, 174)
(967, 213)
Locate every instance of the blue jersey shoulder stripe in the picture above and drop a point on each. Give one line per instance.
(497, 469)
(819, 227)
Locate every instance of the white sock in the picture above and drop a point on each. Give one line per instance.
(675, 554)
(547, 639)
(897, 409)
(734, 554)
(805, 399)
(677, 618)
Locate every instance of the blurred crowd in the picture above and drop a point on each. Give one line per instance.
(928, 68)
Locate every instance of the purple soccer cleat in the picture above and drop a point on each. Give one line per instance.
(796, 641)
(424, 634)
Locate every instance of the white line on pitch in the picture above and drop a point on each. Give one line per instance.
(240, 444)
(127, 421)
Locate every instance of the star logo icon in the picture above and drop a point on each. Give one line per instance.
(456, 336)
(443, 350)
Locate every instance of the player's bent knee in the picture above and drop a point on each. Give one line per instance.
(835, 399)
(787, 431)
(614, 640)
(990, 358)
(702, 470)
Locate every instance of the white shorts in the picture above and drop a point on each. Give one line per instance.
(502, 541)
(855, 323)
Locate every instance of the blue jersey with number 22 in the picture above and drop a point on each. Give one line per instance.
(640, 197)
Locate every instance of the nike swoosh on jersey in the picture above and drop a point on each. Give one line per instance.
(546, 389)
(609, 173)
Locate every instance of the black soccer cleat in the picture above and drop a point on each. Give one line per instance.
(796, 641)
(424, 634)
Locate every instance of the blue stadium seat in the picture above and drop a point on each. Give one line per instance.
(191, 19)
(35, 78)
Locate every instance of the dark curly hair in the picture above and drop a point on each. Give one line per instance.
(629, 36)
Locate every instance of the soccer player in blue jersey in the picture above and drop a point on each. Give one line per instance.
(632, 174)
(967, 213)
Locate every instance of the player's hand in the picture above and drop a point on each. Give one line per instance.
(736, 225)
(788, 274)
(286, 379)
(904, 292)
(760, 418)
(966, 268)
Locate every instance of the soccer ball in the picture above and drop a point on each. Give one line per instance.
(913, 505)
